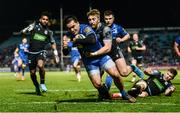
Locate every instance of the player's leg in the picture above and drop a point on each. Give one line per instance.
(77, 68)
(15, 67)
(111, 69)
(79, 72)
(133, 61)
(19, 74)
(32, 68)
(108, 81)
(24, 64)
(121, 64)
(23, 71)
(95, 77)
(40, 65)
(125, 70)
(41, 57)
(34, 80)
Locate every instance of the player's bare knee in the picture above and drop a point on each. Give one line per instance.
(114, 74)
(40, 65)
(124, 73)
(97, 85)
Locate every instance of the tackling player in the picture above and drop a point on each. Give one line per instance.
(104, 35)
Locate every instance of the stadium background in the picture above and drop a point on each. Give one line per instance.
(157, 22)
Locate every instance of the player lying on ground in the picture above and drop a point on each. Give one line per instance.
(156, 84)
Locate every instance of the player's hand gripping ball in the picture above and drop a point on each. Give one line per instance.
(79, 36)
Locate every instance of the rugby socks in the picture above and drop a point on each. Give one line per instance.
(34, 80)
(42, 76)
(108, 81)
(136, 70)
(103, 92)
(124, 94)
(23, 71)
(19, 69)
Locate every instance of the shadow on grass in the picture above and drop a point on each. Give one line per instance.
(30, 93)
(84, 100)
(78, 100)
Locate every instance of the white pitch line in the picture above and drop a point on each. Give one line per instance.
(121, 103)
(69, 90)
(56, 90)
(105, 103)
(27, 103)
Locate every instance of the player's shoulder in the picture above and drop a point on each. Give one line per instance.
(106, 29)
(119, 28)
(85, 28)
(116, 25)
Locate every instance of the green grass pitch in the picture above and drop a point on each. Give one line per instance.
(66, 94)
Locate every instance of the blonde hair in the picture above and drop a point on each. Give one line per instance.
(94, 12)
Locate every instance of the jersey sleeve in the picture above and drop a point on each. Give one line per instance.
(29, 28)
(52, 40)
(155, 73)
(121, 32)
(107, 34)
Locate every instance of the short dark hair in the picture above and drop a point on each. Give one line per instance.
(46, 13)
(69, 18)
(173, 71)
(108, 12)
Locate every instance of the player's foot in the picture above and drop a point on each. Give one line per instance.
(136, 70)
(22, 78)
(79, 77)
(43, 87)
(104, 97)
(104, 94)
(18, 77)
(38, 92)
(129, 98)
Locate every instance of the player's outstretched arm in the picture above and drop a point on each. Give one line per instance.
(28, 28)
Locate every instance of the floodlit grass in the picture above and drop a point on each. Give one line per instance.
(66, 94)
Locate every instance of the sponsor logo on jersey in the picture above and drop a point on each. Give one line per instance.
(87, 30)
(39, 37)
